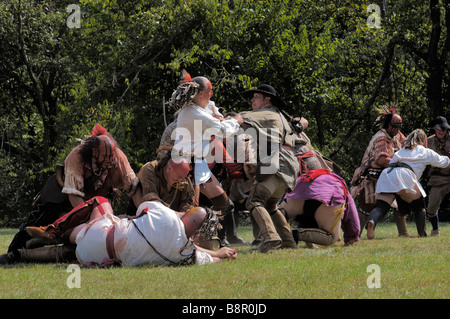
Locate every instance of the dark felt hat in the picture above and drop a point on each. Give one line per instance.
(439, 123)
(266, 90)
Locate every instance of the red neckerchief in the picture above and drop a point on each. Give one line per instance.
(313, 174)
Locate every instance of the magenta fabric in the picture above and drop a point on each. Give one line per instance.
(328, 189)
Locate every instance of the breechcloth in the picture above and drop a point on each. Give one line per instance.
(79, 215)
(307, 220)
(405, 208)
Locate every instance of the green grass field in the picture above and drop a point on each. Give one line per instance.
(408, 268)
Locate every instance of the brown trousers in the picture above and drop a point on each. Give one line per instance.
(262, 205)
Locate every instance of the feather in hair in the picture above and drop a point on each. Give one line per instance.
(99, 130)
(186, 77)
(385, 110)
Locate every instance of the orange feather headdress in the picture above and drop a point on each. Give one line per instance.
(186, 77)
(99, 130)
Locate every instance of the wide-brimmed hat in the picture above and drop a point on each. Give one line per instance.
(439, 123)
(267, 90)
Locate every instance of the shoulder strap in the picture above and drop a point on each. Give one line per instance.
(283, 138)
(160, 255)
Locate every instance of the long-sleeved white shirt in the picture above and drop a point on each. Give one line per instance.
(195, 127)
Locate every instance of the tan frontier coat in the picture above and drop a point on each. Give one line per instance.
(262, 120)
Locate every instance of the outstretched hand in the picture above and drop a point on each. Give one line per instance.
(226, 253)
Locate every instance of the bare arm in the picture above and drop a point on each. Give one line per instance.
(218, 255)
(75, 200)
(383, 161)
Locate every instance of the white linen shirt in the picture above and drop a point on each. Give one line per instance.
(402, 178)
(195, 127)
(161, 226)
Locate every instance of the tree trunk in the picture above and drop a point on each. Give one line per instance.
(38, 94)
(435, 65)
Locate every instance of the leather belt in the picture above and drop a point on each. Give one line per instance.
(399, 164)
(110, 241)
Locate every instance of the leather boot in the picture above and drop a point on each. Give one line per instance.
(257, 238)
(221, 234)
(271, 239)
(401, 224)
(420, 216)
(255, 229)
(10, 258)
(435, 233)
(420, 219)
(434, 220)
(221, 203)
(48, 254)
(380, 210)
(230, 229)
(316, 236)
(283, 229)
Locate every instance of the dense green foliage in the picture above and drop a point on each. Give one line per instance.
(125, 59)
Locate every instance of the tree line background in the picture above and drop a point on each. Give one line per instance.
(325, 58)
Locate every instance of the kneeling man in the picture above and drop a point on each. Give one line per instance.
(322, 205)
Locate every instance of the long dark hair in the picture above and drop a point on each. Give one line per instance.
(92, 141)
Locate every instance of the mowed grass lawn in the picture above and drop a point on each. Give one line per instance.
(408, 268)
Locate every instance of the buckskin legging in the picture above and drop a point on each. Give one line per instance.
(79, 215)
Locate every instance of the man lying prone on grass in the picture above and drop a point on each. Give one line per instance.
(157, 235)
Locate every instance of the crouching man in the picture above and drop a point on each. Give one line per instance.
(322, 205)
